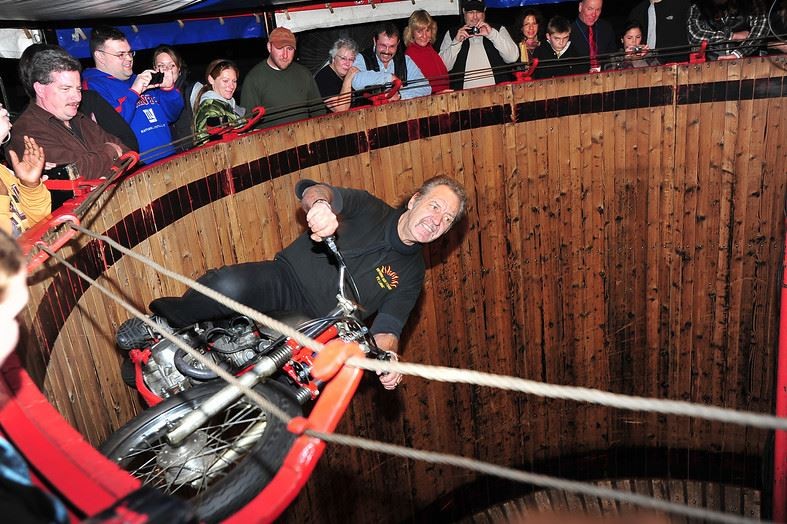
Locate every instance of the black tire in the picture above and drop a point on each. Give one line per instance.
(138, 448)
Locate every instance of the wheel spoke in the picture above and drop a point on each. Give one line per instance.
(221, 437)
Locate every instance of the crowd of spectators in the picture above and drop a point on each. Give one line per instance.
(86, 120)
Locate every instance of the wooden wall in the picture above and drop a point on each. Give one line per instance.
(625, 232)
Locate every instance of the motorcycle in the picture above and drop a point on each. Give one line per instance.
(202, 440)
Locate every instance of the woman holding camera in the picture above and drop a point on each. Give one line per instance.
(635, 52)
(166, 58)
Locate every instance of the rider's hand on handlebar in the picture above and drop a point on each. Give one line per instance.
(321, 220)
(390, 380)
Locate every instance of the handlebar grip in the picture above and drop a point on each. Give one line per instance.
(330, 241)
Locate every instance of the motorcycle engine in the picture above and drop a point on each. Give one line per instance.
(232, 344)
(160, 373)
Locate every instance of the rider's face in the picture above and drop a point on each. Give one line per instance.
(429, 216)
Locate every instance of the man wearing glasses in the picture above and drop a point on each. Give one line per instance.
(148, 104)
(386, 61)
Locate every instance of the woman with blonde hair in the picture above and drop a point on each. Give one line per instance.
(419, 38)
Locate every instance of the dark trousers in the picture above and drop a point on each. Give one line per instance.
(265, 286)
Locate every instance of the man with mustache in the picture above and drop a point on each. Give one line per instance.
(381, 246)
(385, 61)
(53, 120)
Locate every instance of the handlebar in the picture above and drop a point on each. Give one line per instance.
(344, 273)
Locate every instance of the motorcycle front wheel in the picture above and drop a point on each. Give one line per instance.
(221, 466)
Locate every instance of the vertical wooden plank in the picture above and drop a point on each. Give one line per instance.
(732, 500)
(751, 504)
(677, 495)
(608, 506)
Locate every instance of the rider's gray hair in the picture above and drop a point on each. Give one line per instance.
(345, 42)
(442, 180)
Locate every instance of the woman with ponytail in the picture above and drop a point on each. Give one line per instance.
(213, 103)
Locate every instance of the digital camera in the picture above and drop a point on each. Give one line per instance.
(473, 30)
(157, 78)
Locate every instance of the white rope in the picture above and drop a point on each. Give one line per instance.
(446, 374)
(456, 376)
(533, 478)
(579, 394)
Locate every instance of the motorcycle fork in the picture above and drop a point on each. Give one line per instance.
(266, 367)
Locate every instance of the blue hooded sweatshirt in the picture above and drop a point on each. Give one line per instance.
(148, 114)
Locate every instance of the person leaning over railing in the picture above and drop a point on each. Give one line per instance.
(167, 58)
(147, 103)
(558, 56)
(733, 29)
(213, 104)
(285, 88)
(476, 53)
(635, 53)
(529, 23)
(385, 62)
(334, 79)
(419, 38)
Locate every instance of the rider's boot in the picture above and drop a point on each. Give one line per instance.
(135, 334)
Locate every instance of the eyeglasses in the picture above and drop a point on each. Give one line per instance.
(122, 55)
(346, 58)
(166, 67)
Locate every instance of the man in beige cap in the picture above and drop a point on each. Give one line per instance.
(285, 89)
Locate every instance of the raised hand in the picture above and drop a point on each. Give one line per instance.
(29, 169)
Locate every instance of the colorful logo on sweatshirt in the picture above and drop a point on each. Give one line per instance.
(387, 278)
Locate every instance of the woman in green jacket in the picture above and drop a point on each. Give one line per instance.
(213, 103)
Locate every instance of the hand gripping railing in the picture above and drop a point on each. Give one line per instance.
(233, 129)
(698, 57)
(384, 97)
(520, 77)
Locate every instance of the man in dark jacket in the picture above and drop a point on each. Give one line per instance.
(53, 120)
(591, 36)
